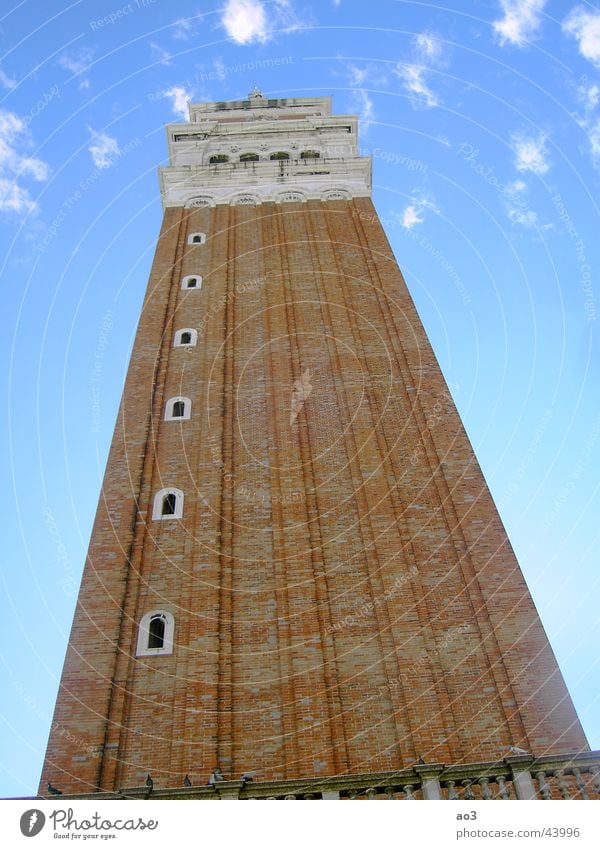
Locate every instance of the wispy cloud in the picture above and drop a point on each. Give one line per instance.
(163, 56)
(179, 97)
(530, 153)
(16, 165)
(521, 21)
(6, 81)
(184, 28)
(584, 25)
(414, 80)
(78, 62)
(517, 207)
(427, 53)
(247, 21)
(103, 149)
(362, 104)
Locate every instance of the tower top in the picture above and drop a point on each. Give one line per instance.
(264, 149)
(257, 106)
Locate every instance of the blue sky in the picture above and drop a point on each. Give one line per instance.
(483, 120)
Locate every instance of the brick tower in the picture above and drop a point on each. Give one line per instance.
(296, 568)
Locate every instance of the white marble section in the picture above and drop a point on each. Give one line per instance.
(260, 149)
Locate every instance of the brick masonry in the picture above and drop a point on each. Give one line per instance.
(345, 596)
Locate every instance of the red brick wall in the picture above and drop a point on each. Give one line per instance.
(345, 596)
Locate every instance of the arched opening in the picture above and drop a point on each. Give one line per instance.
(156, 632)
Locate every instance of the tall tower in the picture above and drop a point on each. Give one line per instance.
(296, 567)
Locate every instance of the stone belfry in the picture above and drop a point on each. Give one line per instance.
(296, 568)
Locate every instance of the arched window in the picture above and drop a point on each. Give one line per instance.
(168, 504)
(281, 154)
(217, 158)
(196, 238)
(178, 408)
(155, 634)
(187, 337)
(249, 157)
(310, 154)
(192, 281)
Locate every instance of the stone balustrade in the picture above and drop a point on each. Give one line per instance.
(575, 776)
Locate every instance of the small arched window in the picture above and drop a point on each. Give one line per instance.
(155, 634)
(249, 157)
(187, 337)
(168, 504)
(217, 158)
(310, 154)
(281, 154)
(192, 281)
(178, 408)
(196, 238)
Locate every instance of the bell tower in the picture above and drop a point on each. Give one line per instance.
(296, 568)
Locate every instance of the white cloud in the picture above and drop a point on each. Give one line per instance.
(78, 61)
(589, 95)
(593, 133)
(428, 45)
(413, 213)
(410, 217)
(518, 215)
(103, 149)
(16, 164)
(179, 97)
(6, 81)
(414, 81)
(363, 105)
(428, 53)
(530, 154)
(245, 21)
(522, 19)
(584, 25)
